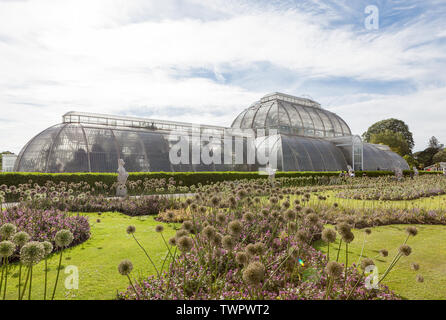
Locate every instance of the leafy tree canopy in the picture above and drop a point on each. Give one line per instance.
(439, 156)
(394, 125)
(395, 140)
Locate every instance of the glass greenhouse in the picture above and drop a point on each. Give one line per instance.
(302, 135)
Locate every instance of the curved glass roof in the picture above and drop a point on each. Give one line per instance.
(292, 115)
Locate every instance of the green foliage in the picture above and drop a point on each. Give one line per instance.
(411, 161)
(184, 178)
(426, 157)
(393, 125)
(395, 140)
(440, 156)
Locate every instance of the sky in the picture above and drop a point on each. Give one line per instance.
(206, 61)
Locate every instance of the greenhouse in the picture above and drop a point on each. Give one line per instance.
(302, 135)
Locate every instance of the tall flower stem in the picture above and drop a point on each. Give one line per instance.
(3, 272)
(6, 277)
(30, 282)
(46, 279)
(25, 285)
(20, 277)
(131, 283)
(346, 264)
(57, 276)
(147, 255)
(339, 250)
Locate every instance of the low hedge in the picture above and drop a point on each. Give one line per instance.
(187, 178)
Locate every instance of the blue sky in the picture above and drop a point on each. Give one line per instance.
(205, 61)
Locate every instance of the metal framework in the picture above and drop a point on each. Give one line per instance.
(306, 138)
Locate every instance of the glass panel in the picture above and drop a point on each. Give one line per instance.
(318, 125)
(336, 124)
(284, 119)
(300, 153)
(238, 120)
(329, 130)
(315, 155)
(103, 150)
(272, 117)
(247, 120)
(33, 157)
(132, 151)
(345, 127)
(296, 121)
(69, 152)
(260, 117)
(307, 121)
(157, 148)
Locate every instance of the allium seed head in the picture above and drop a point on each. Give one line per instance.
(32, 253)
(235, 227)
(241, 258)
(415, 266)
(48, 247)
(254, 273)
(366, 262)
(63, 238)
(159, 228)
(405, 250)
(329, 235)
(125, 267)
(384, 253)
(228, 242)
(7, 230)
(185, 244)
(20, 238)
(411, 230)
(334, 269)
(187, 225)
(420, 278)
(131, 229)
(7, 249)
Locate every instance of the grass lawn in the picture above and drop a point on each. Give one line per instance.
(97, 259)
(428, 250)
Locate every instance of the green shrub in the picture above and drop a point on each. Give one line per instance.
(186, 178)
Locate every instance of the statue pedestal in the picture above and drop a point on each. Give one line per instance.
(121, 191)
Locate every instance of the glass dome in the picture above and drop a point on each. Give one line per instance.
(292, 115)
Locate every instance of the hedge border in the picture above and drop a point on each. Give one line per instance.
(187, 178)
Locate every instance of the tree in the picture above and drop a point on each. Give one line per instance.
(440, 156)
(435, 144)
(394, 125)
(395, 140)
(411, 161)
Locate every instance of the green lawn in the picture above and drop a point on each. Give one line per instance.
(97, 259)
(428, 250)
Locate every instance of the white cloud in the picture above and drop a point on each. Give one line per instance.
(116, 56)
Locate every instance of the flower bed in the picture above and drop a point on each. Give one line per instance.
(42, 225)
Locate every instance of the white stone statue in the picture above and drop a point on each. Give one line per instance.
(121, 188)
(351, 172)
(271, 175)
(415, 172)
(398, 174)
